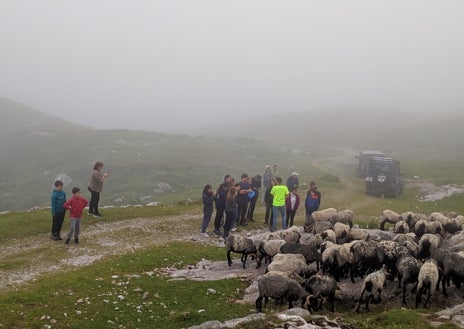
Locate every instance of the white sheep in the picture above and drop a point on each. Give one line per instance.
(329, 235)
(288, 274)
(428, 243)
(291, 234)
(373, 283)
(323, 215)
(268, 249)
(357, 233)
(389, 216)
(428, 280)
(345, 216)
(439, 217)
(342, 232)
(401, 227)
(290, 263)
(242, 245)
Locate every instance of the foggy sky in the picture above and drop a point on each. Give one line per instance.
(168, 65)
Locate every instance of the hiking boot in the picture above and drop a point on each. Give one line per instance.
(76, 240)
(205, 235)
(67, 241)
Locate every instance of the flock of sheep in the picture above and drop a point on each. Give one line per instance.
(305, 263)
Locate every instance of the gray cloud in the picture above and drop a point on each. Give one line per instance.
(168, 65)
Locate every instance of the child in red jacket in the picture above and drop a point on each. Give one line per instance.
(75, 205)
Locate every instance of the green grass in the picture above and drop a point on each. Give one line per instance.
(110, 294)
(18, 224)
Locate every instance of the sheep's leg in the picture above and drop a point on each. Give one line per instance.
(404, 293)
(443, 281)
(419, 296)
(229, 260)
(244, 259)
(429, 295)
(379, 299)
(331, 302)
(360, 301)
(259, 304)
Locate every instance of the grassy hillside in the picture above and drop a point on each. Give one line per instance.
(36, 148)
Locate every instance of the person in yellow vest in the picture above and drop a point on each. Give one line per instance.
(279, 193)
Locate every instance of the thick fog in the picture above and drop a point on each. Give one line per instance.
(169, 65)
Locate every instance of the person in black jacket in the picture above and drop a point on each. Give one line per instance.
(268, 201)
(255, 186)
(220, 206)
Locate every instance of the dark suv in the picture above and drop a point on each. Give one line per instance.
(363, 161)
(383, 177)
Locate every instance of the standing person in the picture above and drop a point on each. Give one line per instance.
(75, 205)
(255, 187)
(231, 210)
(312, 203)
(275, 171)
(268, 201)
(292, 181)
(220, 202)
(313, 187)
(242, 200)
(58, 198)
(95, 187)
(279, 193)
(292, 202)
(207, 196)
(267, 176)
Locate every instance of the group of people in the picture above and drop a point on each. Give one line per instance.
(237, 201)
(76, 204)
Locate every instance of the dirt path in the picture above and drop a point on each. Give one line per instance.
(25, 259)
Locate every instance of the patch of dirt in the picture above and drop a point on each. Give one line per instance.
(40, 254)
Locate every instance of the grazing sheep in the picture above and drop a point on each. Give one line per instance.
(242, 245)
(291, 234)
(429, 280)
(336, 259)
(401, 227)
(400, 238)
(392, 251)
(373, 283)
(278, 287)
(368, 257)
(323, 215)
(345, 216)
(329, 235)
(310, 254)
(310, 239)
(319, 227)
(452, 264)
(428, 243)
(389, 216)
(435, 228)
(408, 272)
(421, 227)
(452, 226)
(320, 287)
(289, 274)
(291, 263)
(379, 235)
(343, 261)
(357, 233)
(269, 249)
(439, 217)
(413, 218)
(412, 248)
(342, 232)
